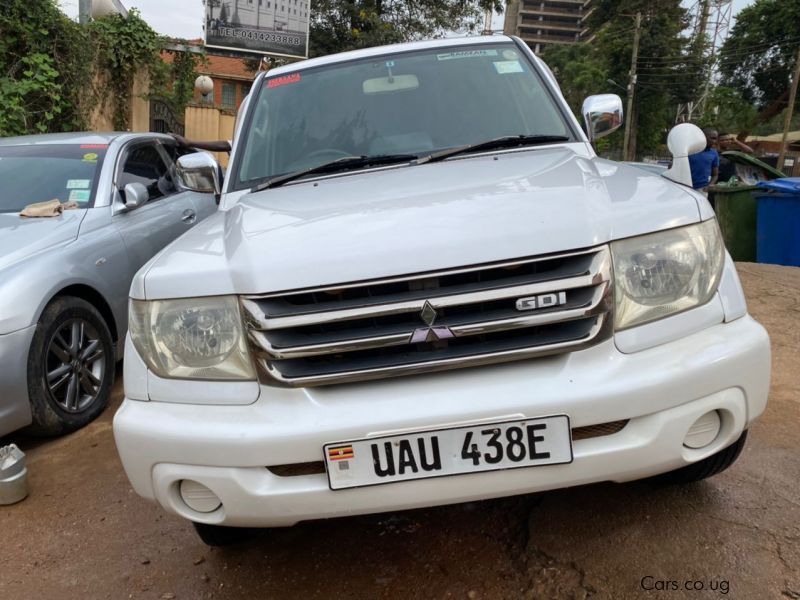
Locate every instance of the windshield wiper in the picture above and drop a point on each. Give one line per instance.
(509, 141)
(340, 164)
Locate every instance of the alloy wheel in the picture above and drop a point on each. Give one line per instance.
(75, 365)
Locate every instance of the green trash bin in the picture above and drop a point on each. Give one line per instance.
(736, 209)
(736, 206)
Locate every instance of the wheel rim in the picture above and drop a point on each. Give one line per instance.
(75, 365)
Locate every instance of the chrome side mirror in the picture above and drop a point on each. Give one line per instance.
(198, 172)
(602, 114)
(135, 195)
(683, 140)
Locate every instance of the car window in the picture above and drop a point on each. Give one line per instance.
(42, 172)
(406, 103)
(143, 164)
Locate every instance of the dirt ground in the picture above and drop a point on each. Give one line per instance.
(83, 533)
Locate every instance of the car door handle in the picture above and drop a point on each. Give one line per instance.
(189, 216)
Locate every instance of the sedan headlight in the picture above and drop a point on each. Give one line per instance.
(664, 273)
(191, 338)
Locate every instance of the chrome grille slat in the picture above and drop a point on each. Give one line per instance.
(351, 333)
(282, 306)
(409, 306)
(597, 305)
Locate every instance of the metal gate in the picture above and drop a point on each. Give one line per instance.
(162, 119)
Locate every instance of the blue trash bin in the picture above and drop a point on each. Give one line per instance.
(778, 222)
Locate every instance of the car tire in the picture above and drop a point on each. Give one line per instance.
(70, 367)
(708, 467)
(219, 535)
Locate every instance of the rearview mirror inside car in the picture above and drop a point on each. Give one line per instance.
(394, 83)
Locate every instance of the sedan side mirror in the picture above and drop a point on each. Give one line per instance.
(136, 194)
(198, 172)
(602, 114)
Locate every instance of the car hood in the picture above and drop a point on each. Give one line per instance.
(415, 219)
(22, 237)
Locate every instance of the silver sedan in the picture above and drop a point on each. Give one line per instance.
(64, 279)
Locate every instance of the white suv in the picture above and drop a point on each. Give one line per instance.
(424, 287)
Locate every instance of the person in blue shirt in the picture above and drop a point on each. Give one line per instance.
(705, 165)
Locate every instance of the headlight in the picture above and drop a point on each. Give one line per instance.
(191, 338)
(664, 273)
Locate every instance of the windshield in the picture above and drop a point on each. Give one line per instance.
(30, 174)
(408, 103)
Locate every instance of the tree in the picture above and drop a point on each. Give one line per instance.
(667, 69)
(759, 54)
(579, 69)
(338, 25)
(727, 111)
(41, 68)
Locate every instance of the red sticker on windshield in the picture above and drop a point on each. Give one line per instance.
(284, 80)
(94, 146)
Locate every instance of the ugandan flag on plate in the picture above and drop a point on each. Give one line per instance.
(340, 453)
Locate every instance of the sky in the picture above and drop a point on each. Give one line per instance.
(184, 18)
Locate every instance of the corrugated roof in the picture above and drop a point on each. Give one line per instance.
(221, 67)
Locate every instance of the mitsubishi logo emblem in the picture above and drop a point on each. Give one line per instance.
(430, 333)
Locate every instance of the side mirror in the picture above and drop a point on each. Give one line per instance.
(602, 114)
(135, 195)
(198, 172)
(683, 140)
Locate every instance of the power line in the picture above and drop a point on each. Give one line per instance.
(742, 51)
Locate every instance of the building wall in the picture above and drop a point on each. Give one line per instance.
(289, 15)
(544, 22)
(207, 123)
(101, 117)
(240, 89)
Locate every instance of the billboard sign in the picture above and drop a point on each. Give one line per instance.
(275, 28)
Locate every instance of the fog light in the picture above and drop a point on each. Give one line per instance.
(198, 497)
(704, 431)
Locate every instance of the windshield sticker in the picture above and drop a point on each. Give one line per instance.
(503, 67)
(510, 54)
(284, 80)
(91, 157)
(466, 54)
(94, 146)
(79, 184)
(79, 196)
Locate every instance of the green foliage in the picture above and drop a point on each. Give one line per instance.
(54, 72)
(123, 46)
(668, 67)
(42, 64)
(727, 111)
(173, 80)
(758, 56)
(338, 25)
(580, 71)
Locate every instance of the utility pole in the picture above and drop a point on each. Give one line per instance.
(84, 11)
(631, 87)
(789, 110)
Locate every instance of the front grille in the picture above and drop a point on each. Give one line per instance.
(431, 321)
(599, 430)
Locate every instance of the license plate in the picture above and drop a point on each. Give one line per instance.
(452, 451)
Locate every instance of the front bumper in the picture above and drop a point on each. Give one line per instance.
(15, 410)
(661, 391)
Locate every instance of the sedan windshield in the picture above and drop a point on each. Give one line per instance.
(412, 103)
(38, 173)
